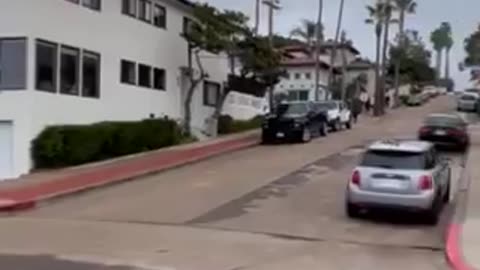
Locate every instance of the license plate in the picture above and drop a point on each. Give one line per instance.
(440, 132)
(385, 184)
(280, 135)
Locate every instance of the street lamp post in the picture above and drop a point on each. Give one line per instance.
(272, 6)
(318, 33)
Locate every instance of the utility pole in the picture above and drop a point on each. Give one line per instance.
(318, 36)
(257, 17)
(272, 6)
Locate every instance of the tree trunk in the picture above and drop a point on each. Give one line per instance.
(344, 73)
(317, 49)
(398, 62)
(447, 63)
(439, 65)
(191, 89)
(335, 42)
(384, 62)
(377, 108)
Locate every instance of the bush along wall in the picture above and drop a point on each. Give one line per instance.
(228, 125)
(68, 145)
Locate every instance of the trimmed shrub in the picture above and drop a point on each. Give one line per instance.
(60, 146)
(227, 125)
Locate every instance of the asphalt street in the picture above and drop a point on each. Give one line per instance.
(268, 207)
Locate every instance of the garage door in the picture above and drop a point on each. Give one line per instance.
(6, 150)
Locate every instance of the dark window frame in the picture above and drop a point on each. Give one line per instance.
(163, 24)
(162, 86)
(148, 19)
(98, 57)
(97, 7)
(139, 80)
(55, 67)
(125, 80)
(25, 83)
(205, 93)
(125, 11)
(60, 71)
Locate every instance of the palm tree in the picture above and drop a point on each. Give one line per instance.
(437, 39)
(403, 7)
(307, 32)
(257, 16)
(376, 17)
(388, 10)
(448, 44)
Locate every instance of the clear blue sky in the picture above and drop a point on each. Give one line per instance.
(464, 16)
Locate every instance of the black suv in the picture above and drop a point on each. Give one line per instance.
(299, 121)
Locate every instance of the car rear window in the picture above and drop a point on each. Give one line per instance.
(468, 97)
(444, 121)
(394, 160)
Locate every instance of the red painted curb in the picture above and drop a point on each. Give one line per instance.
(29, 197)
(453, 250)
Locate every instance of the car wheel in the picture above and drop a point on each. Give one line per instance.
(306, 135)
(352, 210)
(432, 215)
(348, 125)
(446, 197)
(323, 129)
(336, 125)
(265, 138)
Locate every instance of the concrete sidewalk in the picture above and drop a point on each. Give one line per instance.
(463, 237)
(29, 190)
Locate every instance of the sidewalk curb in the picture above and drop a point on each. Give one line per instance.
(453, 242)
(9, 205)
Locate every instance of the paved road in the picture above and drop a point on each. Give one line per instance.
(269, 207)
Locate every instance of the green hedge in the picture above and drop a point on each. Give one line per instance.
(61, 146)
(227, 125)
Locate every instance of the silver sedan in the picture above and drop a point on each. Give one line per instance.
(402, 175)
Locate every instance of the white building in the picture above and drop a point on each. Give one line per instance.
(85, 61)
(299, 83)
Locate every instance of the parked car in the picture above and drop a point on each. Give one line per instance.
(445, 129)
(472, 91)
(414, 100)
(298, 121)
(337, 112)
(467, 102)
(400, 175)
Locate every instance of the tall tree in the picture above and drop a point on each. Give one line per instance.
(307, 32)
(472, 48)
(448, 44)
(403, 7)
(257, 17)
(387, 10)
(437, 39)
(377, 17)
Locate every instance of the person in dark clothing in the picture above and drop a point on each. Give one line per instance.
(368, 105)
(356, 108)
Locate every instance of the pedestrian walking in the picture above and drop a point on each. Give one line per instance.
(356, 109)
(368, 105)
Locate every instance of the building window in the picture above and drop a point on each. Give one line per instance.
(46, 75)
(69, 70)
(128, 72)
(13, 63)
(91, 74)
(92, 4)
(129, 7)
(144, 76)
(298, 95)
(144, 10)
(159, 16)
(308, 76)
(297, 76)
(211, 93)
(287, 76)
(187, 25)
(159, 81)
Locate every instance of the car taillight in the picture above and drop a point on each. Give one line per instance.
(426, 183)
(356, 178)
(456, 132)
(425, 130)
